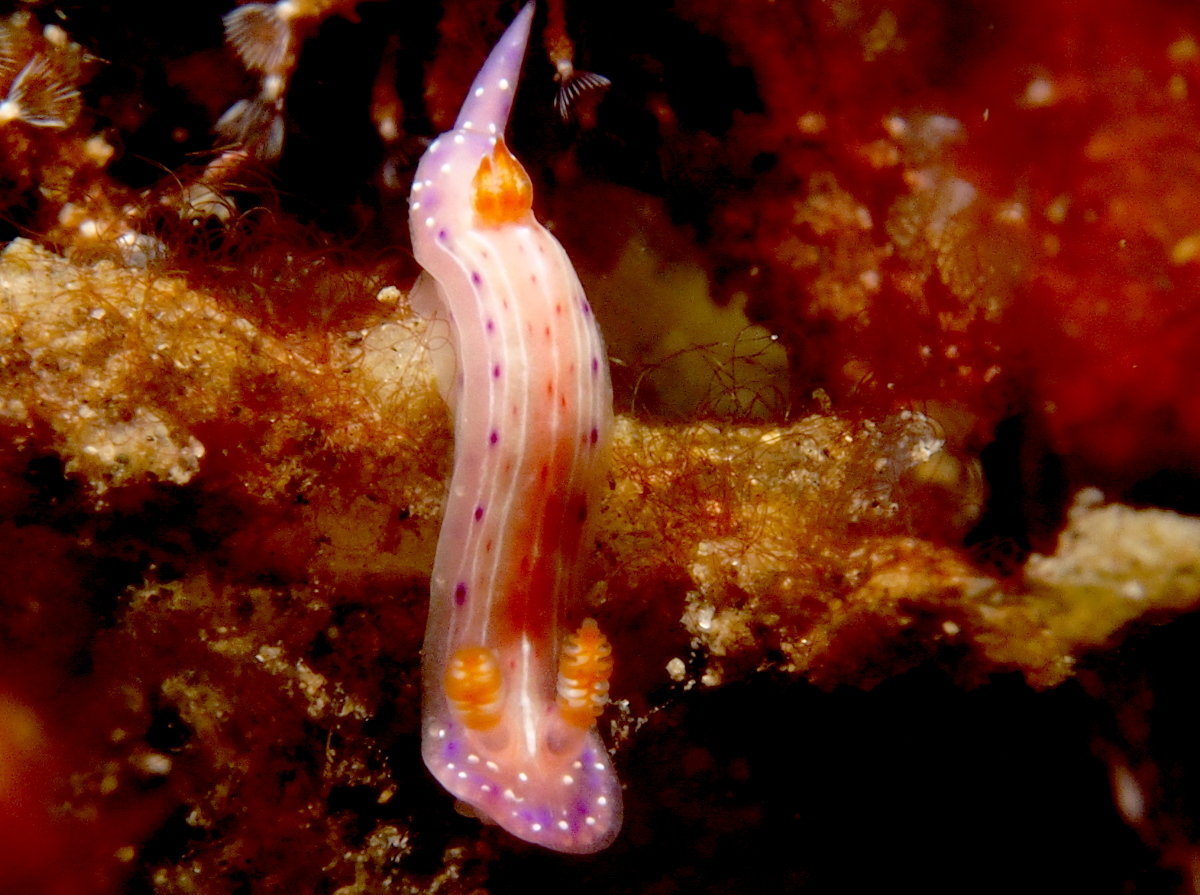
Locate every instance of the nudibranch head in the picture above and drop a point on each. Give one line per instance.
(542, 774)
(569, 800)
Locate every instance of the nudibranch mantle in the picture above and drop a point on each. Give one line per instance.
(509, 705)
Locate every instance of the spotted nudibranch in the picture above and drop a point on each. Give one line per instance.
(510, 705)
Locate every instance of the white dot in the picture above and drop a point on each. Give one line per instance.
(473, 759)
(599, 766)
(523, 777)
(433, 147)
(492, 140)
(487, 787)
(460, 139)
(492, 766)
(417, 186)
(563, 825)
(602, 801)
(450, 766)
(429, 222)
(479, 91)
(503, 85)
(509, 794)
(416, 205)
(441, 734)
(537, 828)
(568, 779)
(428, 183)
(577, 765)
(492, 128)
(462, 775)
(590, 821)
(446, 168)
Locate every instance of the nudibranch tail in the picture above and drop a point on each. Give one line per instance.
(490, 98)
(510, 705)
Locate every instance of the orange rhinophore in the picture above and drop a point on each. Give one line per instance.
(503, 192)
(583, 671)
(473, 685)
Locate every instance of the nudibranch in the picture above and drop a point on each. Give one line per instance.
(510, 703)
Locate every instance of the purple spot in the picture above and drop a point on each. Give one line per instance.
(595, 434)
(587, 309)
(595, 365)
(491, 325)
(460, 594)
(494, 437)
(496, 372)
(442, 235)
(478, 513)
(476, 278)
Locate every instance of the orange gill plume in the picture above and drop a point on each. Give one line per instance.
(473, 686)
(583, 671)
(502, 191)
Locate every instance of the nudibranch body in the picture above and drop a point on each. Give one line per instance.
(509, 703)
